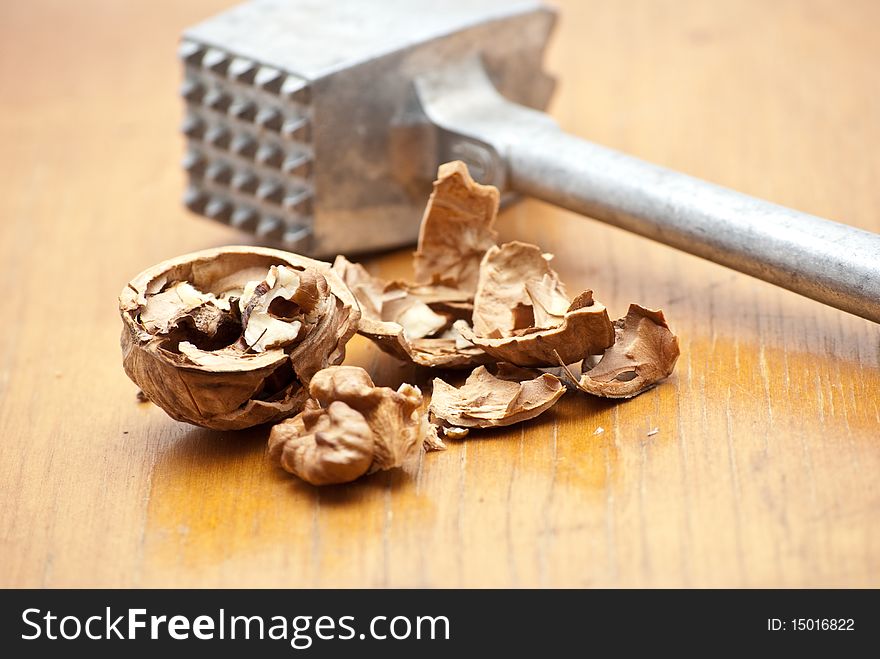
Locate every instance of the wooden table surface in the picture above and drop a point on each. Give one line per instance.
(763, 470)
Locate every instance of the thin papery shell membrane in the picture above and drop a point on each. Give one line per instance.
(183, 341)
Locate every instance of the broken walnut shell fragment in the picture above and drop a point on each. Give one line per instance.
(423, 322)
(195, 357)
(486, 401)
(522, 314)
(349, 428)
(644, 352)
(398, 321)
(432, 439)
(457, 228)
(433, 442)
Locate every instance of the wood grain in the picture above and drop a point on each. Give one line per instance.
(763, 468)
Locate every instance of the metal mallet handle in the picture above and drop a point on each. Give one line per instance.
(833, 263)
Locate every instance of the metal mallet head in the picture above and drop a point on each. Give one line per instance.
(303, 123)
(319, 125)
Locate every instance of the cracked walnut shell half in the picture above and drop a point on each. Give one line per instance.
(229, 338)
